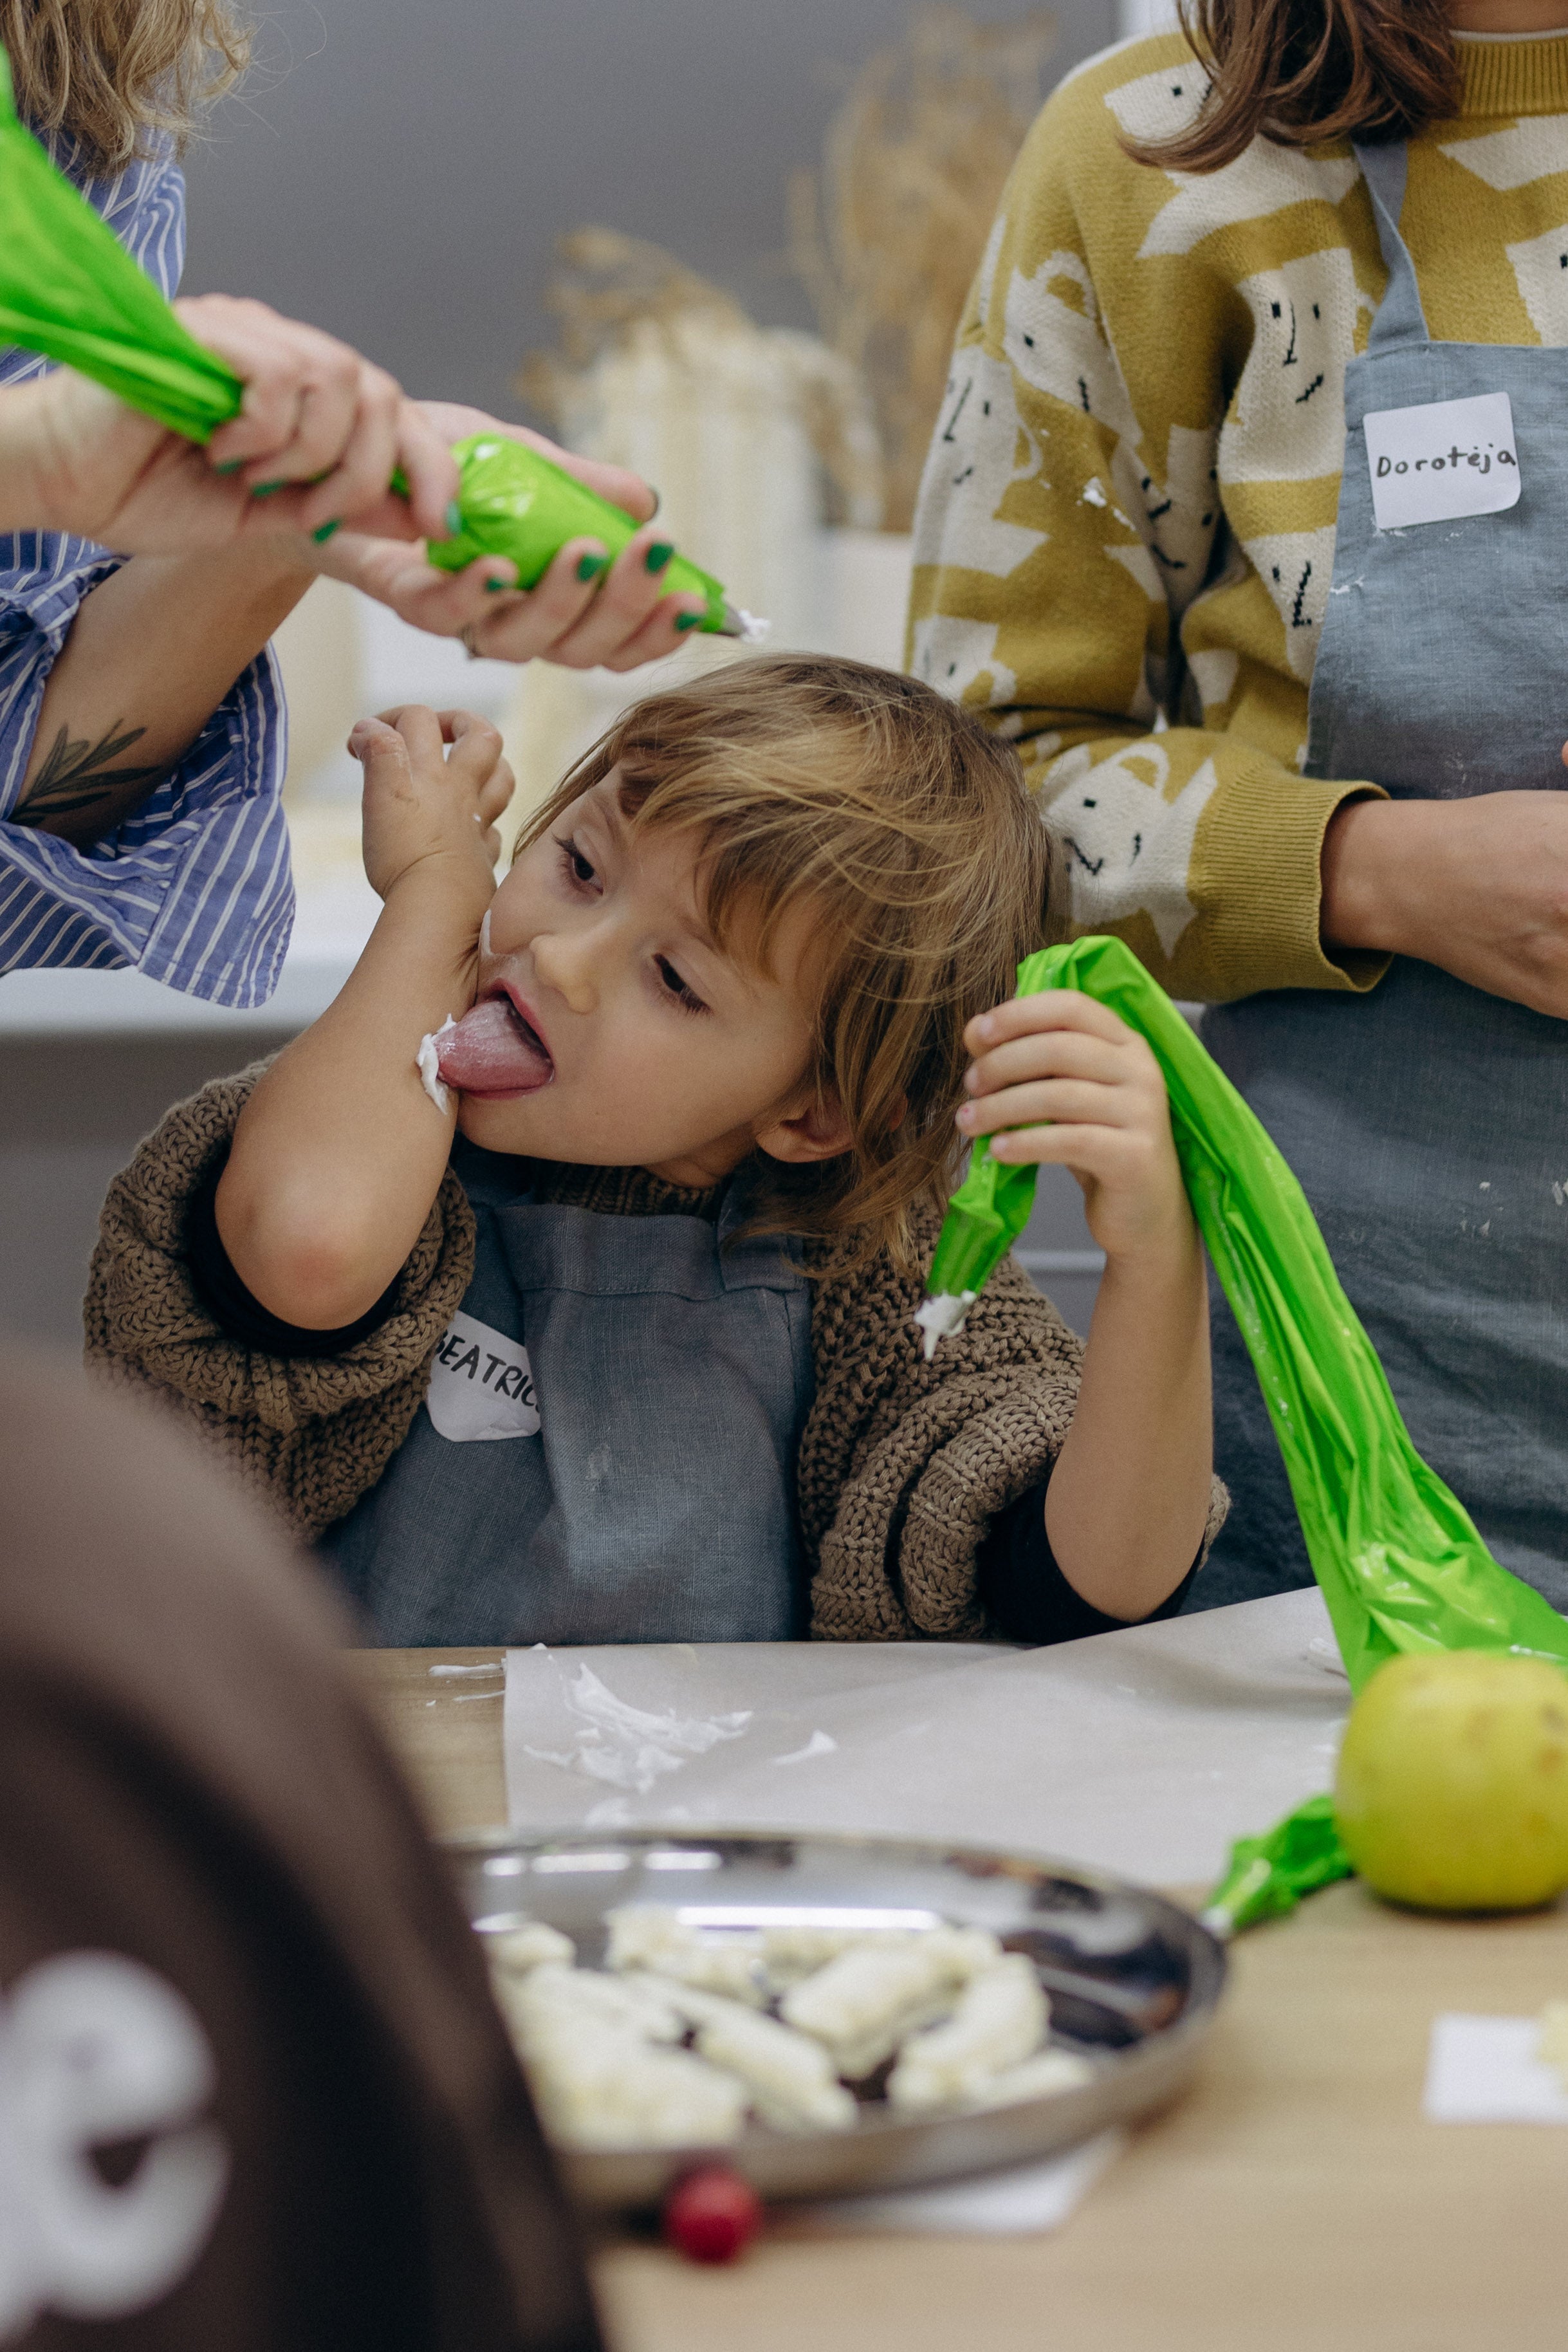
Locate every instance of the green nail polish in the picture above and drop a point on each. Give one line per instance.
(229, 466)
(266, 489)
(325, 533)
(454, 520)
(589, 567)
(658, 555)
(495, 587)
(688, 620)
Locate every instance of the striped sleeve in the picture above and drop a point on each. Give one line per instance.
(195, 889)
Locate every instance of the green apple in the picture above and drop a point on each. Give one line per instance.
(1452, 1788)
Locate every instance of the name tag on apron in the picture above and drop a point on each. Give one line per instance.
(481, 1387)
(1442, 460)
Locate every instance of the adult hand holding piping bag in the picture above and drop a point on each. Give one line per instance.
(164, 657)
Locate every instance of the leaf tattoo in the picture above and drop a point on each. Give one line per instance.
(78, 774)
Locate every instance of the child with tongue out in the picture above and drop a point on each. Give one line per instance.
(590, 1317)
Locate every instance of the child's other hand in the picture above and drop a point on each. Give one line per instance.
(436, 782)
(1083, 1090)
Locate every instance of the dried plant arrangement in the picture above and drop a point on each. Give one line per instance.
(888, 236)
(622, 298)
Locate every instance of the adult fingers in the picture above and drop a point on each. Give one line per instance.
(623, 489)
(267, 353)
(633, 587)
(532, 626)
(440, 602)
(351, 468)
(669, 624)
(431, 471)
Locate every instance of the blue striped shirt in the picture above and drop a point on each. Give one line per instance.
(195, 889)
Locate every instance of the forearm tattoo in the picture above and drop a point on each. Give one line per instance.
(77, 776)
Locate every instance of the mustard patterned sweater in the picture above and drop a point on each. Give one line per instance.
(1127, 517)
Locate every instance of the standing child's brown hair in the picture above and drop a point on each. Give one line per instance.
(1300, 71)
(910, 832)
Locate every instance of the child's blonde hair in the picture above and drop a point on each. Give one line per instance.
(109, 73)
(910, 832)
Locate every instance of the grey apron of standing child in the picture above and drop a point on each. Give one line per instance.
(1426, 1121)
(607, 1450)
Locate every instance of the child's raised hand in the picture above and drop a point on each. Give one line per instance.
(436, 782)
(1076, 1086)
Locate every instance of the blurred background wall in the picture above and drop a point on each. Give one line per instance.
(398, 170)
(401, 172)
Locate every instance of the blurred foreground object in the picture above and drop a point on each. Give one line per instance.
(1452, 1788)
(254, 2093)
(887, 237)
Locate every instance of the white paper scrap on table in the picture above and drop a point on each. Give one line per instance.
(1484, 2069)
(1145, 1752)
(1442, 460)
(1023, 2202)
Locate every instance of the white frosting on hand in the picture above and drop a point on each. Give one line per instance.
(943, 1318)
(427, 1061)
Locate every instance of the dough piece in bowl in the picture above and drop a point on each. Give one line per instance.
(610, 2093)
(551, 1998)
(1000, 2019)
(1039, 2077)
(652, 1936)
(861, 2006)
(788, 2077)
(792, 1951)
(522, 1948)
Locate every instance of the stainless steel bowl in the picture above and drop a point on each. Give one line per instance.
(1133, 1981)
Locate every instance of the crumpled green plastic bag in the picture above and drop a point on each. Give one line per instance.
(69, 291)
(1397, 1557)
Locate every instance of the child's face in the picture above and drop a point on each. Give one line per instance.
(658, 1051)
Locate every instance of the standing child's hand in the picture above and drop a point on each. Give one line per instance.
(1077, 1087)
(436, 782)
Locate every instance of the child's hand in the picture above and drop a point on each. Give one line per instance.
(430, 810)
(1082, 1089)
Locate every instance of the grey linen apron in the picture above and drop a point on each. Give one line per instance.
(607, 1452)
(1428, 1121)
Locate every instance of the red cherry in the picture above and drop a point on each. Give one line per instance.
(712, 2216)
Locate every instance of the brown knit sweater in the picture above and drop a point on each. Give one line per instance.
(902, 1465)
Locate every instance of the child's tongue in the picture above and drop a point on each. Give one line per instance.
(492, 1051)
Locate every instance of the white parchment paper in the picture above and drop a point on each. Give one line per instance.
(1143, 1752)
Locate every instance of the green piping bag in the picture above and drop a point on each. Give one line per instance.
(69, 291)
(1400, 1563)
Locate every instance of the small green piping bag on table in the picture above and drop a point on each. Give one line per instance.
(1397, 1557)
(69, 291)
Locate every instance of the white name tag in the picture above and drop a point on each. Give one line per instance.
(481, 1386)
(1448, 459)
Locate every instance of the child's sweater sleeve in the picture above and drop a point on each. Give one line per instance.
(903, 1465)
(1084, 571)
(310, 1434)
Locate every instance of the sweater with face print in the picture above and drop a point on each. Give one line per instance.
(1126, 536)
